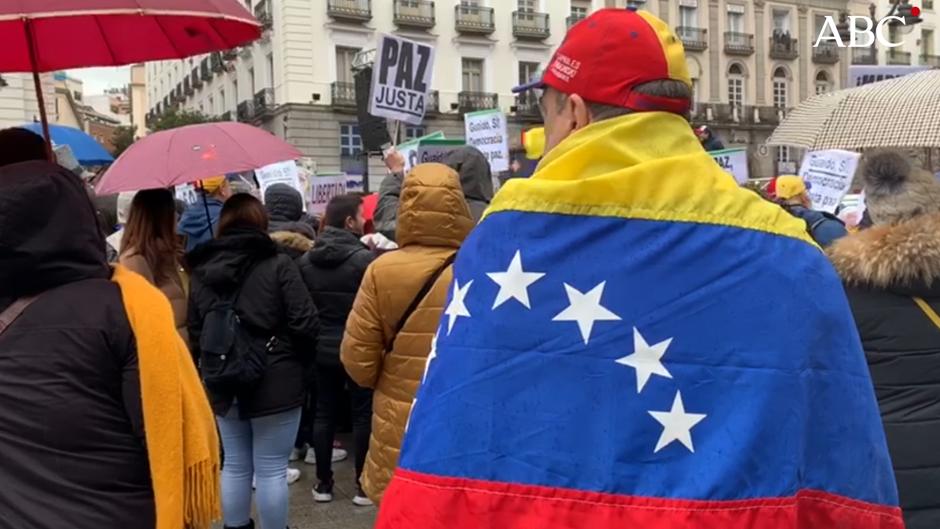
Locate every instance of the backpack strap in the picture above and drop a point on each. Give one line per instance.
(8, 316)
(428, 285)
(928, 311)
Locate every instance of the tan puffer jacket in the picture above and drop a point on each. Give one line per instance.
(433, 221)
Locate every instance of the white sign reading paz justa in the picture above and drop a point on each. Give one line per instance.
(829, 174)
(486, 130)
(401, 78)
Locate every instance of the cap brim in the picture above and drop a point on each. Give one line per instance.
(532, 85)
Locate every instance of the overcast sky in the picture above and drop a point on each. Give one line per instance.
(96, 80)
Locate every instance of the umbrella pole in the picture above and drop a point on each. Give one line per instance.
(205, 202)
(40, 100)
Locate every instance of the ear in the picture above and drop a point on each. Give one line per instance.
(581, 116)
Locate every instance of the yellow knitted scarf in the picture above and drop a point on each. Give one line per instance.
(182, 443)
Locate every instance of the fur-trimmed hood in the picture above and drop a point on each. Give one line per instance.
(901, 257)
(292, 240)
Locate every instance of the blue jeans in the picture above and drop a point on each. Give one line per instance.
(258, 447)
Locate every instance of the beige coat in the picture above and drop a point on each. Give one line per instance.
(173, 290)
(433, 221)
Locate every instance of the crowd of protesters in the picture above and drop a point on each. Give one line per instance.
(118, 406)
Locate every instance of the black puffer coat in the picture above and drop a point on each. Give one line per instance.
(884, 268)
(332, 272)
(273, 303)
(72, 447)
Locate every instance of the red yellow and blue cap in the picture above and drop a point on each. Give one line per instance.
(612, 51)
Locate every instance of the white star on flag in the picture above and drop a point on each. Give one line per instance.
(457, 307)
(514, 282)
(431, 356)
(586, 309)
(646, 359)
(677, 425)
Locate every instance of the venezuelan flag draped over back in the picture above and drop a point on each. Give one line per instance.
(632, 341)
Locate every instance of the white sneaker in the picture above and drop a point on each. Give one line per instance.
(297, 453)
(293, 475)
(338, 455)
(361, 500)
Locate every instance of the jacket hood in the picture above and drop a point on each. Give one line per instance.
(334, 247)
(49, 232)
(227, 260)
(476, 179)
(284, 203)
(292, 240)
(432, 210)
(195, 223)
(300, 228)
(904, 257)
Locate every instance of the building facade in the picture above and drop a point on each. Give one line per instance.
(750, 61)
(18, 102)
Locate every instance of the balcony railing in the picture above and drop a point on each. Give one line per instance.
(928, 59)
(474, 19)
(530, 25)
(693, 39)
(828, 53)
(343, 94)
(784, 48)
(899, 57)
(264, 15)
(867, 56)
(246, 111)
(264, 101)
(573, 19)
(350, 10)
(472, 101)
(739, 43)
(527, 105)
(414, 13)
(433, 102)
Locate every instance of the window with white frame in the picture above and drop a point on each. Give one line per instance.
(782, 154)
(413, 132)
(781, 89)
(472, 75)
(350, 142)
(823, 83)
(781, 18)
(735, 18)
(527, 6)
(580, 9)
(344, 62)
(736, 86)
(688, 14)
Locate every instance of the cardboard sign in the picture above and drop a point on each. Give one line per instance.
(322, 189)
(279, 173)
(401, 79)
(830, 175)
(734, 161)
(486, 130)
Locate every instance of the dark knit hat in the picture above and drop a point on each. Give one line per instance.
(895, 190)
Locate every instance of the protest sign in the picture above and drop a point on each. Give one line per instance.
(409, 149)
(322, 189)
(401, 79)
(431, 148)
(187, 194)
(486, 130)
(830, 175)
(279, 173)
(733, 161)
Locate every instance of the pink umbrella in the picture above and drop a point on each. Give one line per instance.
(48, 35)
(187, 154)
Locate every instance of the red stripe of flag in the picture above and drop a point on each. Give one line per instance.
(421, 501)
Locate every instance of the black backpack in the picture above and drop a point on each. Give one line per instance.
(231, 355)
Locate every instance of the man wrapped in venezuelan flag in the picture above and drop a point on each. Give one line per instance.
(632, 341)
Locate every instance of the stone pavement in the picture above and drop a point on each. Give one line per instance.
(341, 513)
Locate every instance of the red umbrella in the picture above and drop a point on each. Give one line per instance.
(48, 35)
(186, 154)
